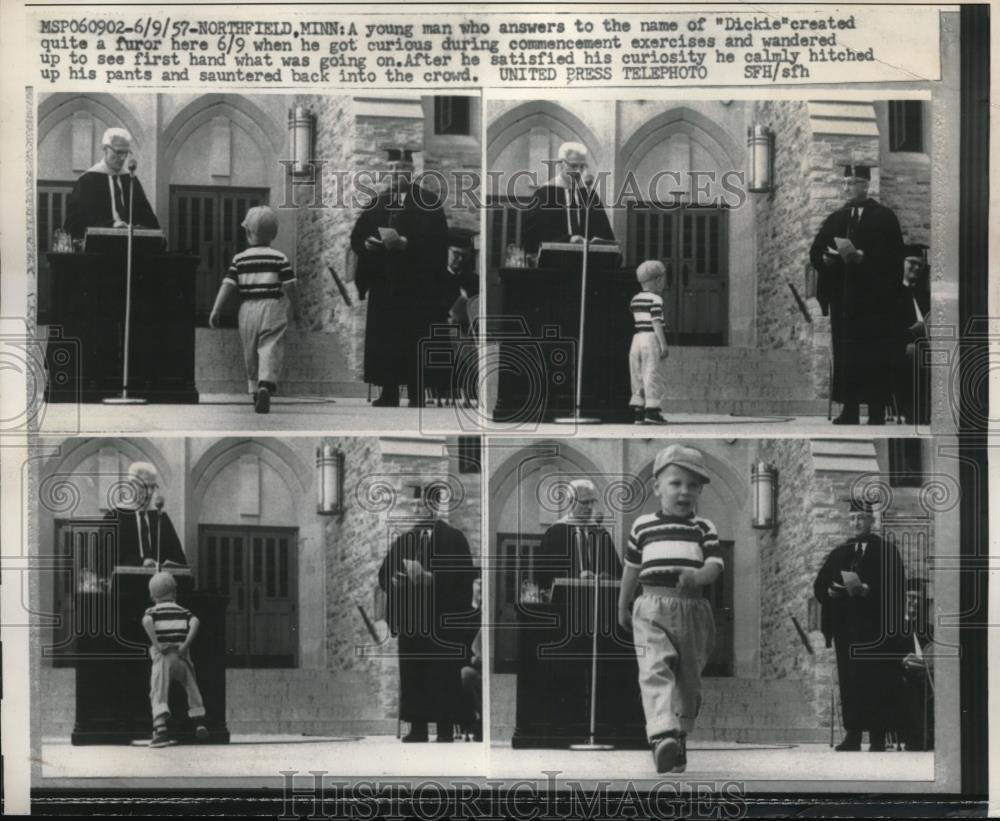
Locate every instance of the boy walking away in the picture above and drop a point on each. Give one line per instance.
(673, 553)
(264, 280)
(171, 630)
(649, 344)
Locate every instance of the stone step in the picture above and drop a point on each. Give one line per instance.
(314, 364)
(746, 406)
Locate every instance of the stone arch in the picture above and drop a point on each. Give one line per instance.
(716, 140)
(521, 119)
(272, 452)
(57, 107)
(726, 480)
(265, 132)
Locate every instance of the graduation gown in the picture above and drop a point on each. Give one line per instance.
(549, 220)
(861, 300)
(913, 373)
(90, 203)
(128, 550)
(431, 622)
(568, 549)
(864, 631)
(402, 287)
(915, 722)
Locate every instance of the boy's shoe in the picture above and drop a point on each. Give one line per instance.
(161, 738)
(262, 401)
(654, 417)
(640, 416)
(201, 732)
(665, 753)
(681, 763)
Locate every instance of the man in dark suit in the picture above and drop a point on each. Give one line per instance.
(427, 575)
(401, 240)
(577, 546)
(860, 587)
(859, 285)
(916, 713)
(104, 193)
(913, 390)
(145, 537)
(564, 208)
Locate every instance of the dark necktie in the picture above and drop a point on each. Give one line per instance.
(575, 211)
(144, 528)
(120, 199)
(852, 225)
(859, 554)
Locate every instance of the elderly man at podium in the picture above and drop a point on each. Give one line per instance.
(577, 546)
(145, 538)
(104, 193)
(565, 208)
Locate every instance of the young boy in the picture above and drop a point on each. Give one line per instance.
(171, 630)
(673, 553)
(263, 278)
(649, 344)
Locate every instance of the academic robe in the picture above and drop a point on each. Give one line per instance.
(402, 287)
(128, 550)
(90, 203)
(861, 299)
(431, 622)
(568, 549)
(913, 373)
(863, 629)
(549, 220)
(915, 722)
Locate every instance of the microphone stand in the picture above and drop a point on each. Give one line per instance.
(125, 399)
(577, 418)
(591, 744)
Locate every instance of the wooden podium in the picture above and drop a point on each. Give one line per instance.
(538, 336)
(111, 656)
(85, 344)
(554, 663)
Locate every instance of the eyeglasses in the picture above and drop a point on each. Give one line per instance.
(121, 152)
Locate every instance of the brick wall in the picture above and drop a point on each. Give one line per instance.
(907, 191)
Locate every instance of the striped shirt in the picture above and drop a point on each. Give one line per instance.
(171, 622)
(646, 306)
(662, 545)
(259, 272)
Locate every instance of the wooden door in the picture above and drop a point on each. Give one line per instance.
(720, 594)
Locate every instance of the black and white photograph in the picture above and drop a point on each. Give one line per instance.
(760, 262)
(230, 608)
(768, 610)
(309, 257)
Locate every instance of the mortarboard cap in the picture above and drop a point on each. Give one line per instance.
(863, 172)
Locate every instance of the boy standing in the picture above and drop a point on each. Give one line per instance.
(263, 277)
(649, 344)
(673, 553)
(171, 630)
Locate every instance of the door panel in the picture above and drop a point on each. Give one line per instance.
(720, 663)
(257, 569)
(691, 244)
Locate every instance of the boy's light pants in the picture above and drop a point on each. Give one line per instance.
(644, 371)
(263, 323)
(674, 632)
(166, 669)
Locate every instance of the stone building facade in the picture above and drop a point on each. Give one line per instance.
(765, 684)
(204, 159)
(337, 681)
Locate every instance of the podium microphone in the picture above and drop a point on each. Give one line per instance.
(125, 399)
(158, 504)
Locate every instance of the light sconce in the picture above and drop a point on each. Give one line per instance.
(301, 139)
(764, 480)
(760, 159)
(329, 480)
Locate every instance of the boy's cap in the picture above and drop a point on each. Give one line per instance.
(262, 222)
(162, 584)
(685, 457)
(650, 269)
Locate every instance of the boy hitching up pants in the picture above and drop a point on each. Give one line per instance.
(644, 372)
(166, 669)
(674, 632)
(263, 323)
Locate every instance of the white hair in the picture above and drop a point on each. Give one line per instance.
(575, 148)
(144, 470)
(112, 133)
(577, 486)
